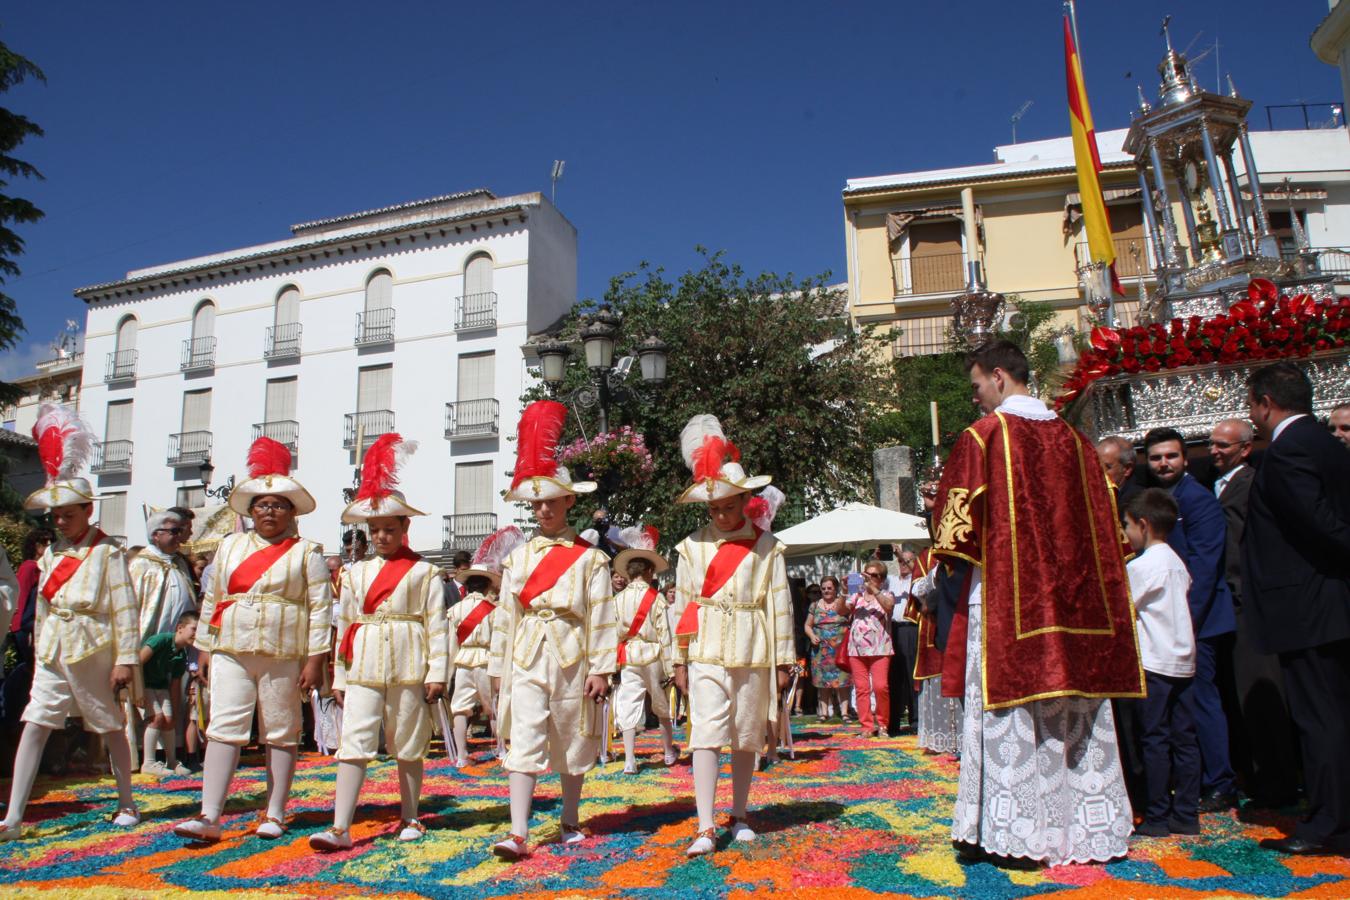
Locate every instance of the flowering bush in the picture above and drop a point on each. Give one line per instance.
(1267, 325)
(614, 455)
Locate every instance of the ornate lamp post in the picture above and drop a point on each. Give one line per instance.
(221, 493)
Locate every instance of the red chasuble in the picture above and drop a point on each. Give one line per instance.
(928, 660)
(1027, 501)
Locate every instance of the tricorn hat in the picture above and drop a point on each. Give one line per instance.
(269, 472)
(640, 543)
(64, 446)
(715, 462)
(537, 475)
(379, 474)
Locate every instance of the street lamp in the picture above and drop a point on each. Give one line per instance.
(553, 361)
(222, 493)
(597, 338)
(652, 355)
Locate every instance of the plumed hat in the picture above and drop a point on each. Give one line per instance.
(379, 475)
(269, 472)
(639, 542)
(762, 508)
(715, 462)
(538, 475)
(64, 446)
(491, 555)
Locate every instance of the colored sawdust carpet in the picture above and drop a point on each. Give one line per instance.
(849, 817)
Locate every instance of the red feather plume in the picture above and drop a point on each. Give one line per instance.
(541, 424)
(268, 457)
(653, 534)
(379, 469)
(709, 457)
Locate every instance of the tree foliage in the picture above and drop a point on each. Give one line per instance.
(773, 357)
(14, 130)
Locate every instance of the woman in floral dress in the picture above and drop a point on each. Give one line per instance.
(826, 623)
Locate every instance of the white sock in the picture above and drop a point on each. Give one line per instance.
(350, 777)
(26, 761)
(150, 744)
(217, 772)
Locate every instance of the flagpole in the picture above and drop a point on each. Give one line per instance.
(1072, 10)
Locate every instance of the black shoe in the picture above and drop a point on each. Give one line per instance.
(1296, 846)
(1152, 829)
(1020, 863)
(968, 853)
(1177, 826)
(1216, 801)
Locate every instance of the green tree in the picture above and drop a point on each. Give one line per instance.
(14, 130)
(773, 357)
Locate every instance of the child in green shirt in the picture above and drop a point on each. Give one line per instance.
(163, 662)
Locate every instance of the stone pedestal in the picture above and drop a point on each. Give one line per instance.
(893, 479)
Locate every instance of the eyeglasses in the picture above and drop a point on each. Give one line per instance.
(167, 530)
(875, 574)
(270, 507)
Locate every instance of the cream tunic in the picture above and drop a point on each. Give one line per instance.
(748, 622)
(163, 591)
(95, 609)
(398, 643)
(654, 641)
(286, 614)
(476, 650)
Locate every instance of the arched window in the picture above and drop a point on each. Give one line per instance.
(288, 306)
(380, 291)
(283, 338)
(478, 275)
(204, 321)
(200, 351)
(126, 334)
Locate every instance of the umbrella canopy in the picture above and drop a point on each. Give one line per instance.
(854, 526)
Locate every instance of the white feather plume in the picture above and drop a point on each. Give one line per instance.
(635, 537)
(404, 449)
(492, 553)
(700, 427)
(76, 443)
(773, 499)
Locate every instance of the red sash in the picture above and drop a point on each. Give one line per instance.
(381, 589)
(66, 569)
(644, 609)
(476, 615)
(250, 569)
(724, 564)
(545, 575)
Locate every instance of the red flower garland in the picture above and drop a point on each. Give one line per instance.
(1267, 325)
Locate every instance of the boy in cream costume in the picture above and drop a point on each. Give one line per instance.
(646, 646)
(86, 622)
(264, 638)
(391, 659)
(474, 626)
(734, 626)
(558, 652)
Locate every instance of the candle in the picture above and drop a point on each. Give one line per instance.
(933, 415)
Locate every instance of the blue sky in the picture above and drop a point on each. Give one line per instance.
(175, 130)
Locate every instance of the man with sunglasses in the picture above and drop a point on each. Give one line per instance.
(265, 636)
(160, 578)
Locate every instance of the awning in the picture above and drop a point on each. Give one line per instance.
(1073, 205)
(1282, 194)
(852, 527)
(897, 223)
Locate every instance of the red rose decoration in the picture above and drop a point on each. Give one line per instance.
(1104, 338)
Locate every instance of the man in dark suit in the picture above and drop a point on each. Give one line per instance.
(1296, 582)
(1261, 740)
(1200, 538)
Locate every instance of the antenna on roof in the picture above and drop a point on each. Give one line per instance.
(558, 166)
(1017, 117)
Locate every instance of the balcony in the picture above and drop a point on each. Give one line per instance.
(199, 354)
(283, 341)
(286, 431)
(121, 367)
(472, 419)
(111, 458)
(1133, 259)
(467, 531)
(940, 273)
(375, 327)
(1330, 260)
(189, 448)
(474, 311)
(371, 424)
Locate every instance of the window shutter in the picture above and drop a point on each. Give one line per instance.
(478, 275)
(118, 423)
(380, 291)
(197, 410)
(204, 321)
(279, 405)
(126, 334)
(288, 307)
(112, 514)
(473, 488)
(375, 388)
(476, 380)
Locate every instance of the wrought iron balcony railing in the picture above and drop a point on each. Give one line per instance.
(942, 273)
(111, 457)
(121, 366)
(472, 419)
(285, 431)
(375, 326)
(198, 354)
(476, 311)
(1132, 257)
(283, 341)
(466, 531)
(371, 424)
(189, 448)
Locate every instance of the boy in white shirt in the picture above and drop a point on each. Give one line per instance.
(1159, 583)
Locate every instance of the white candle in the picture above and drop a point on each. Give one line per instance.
(933, 415)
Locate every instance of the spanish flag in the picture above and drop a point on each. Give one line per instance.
(1089, 163)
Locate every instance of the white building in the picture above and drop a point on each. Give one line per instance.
(411, 318)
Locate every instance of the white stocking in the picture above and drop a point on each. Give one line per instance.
(217, 772)
(668, 736)
(571, 798)
(462, 736)
(281, 769)
(350, 776)
(26, 761)
(629, 740)
(409, 786)
(522, 798)
(706, 764)
(151, 741)
(119, 754)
